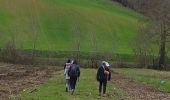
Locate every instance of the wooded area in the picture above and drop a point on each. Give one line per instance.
(157, 13)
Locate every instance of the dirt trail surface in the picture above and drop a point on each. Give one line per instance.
(137, 90)
(15, 78)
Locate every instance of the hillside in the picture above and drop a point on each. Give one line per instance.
(56, 25)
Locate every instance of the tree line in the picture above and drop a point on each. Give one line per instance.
(155, 28)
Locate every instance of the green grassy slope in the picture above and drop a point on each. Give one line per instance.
(57, 24)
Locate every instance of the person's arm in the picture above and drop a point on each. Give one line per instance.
(109, 75)
(98, 74)
(69, 71)
(64, 69)
(78, 70)
(64, 66)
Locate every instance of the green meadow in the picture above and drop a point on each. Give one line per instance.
(57, 25)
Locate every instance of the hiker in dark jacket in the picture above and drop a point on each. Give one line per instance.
(103, 75)
(74, 73)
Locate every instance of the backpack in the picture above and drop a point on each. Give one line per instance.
(73, 70)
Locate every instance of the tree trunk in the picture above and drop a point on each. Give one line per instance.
(162, 51)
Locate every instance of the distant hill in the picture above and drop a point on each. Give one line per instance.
(56, 25)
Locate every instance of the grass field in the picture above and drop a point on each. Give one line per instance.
(87, 88)
(57, 24)
(157, 79)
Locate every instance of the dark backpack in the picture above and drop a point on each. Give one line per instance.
(73, 71)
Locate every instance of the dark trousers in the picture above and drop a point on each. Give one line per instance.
(102, 86)
(73, 81)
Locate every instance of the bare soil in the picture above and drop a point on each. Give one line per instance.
(15, 78)
(137, 90)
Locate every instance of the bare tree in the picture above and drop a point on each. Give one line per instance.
(142, 46)
(94, 48)
(34, 26)
(77, 37)
(158, 13)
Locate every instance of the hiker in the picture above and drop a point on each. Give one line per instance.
(66, 69)
(74, 73)
(103, 75)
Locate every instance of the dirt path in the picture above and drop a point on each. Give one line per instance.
(138, 91)
(15, 78)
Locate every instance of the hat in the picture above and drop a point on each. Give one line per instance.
(105, 63)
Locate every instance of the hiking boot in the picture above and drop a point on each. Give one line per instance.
(72, 91)
(100, 94)
(104, 95)
(66, 89)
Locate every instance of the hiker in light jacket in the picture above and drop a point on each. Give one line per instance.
(67, 77)
(103, 75)
(74, 73)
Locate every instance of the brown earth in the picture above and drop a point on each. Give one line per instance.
(137, 90)
(15, 78)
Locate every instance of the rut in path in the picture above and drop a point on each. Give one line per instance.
(137, 90)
